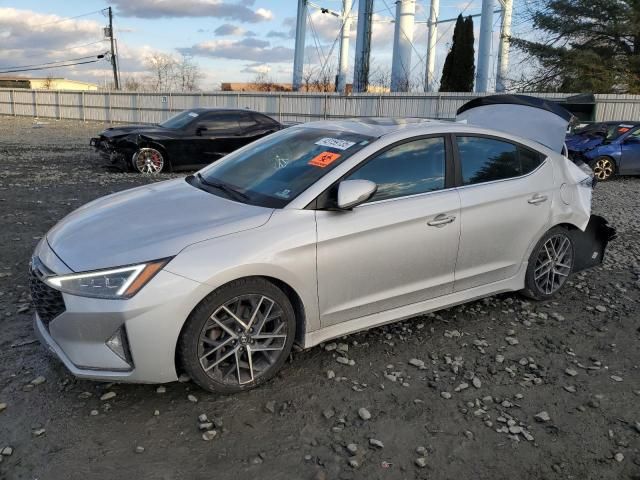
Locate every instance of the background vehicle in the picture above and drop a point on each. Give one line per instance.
(599, 145)
(312, 233)
(188, 140)
(618, 154)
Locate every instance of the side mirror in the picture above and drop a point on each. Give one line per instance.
(352, 193)
(201, 129)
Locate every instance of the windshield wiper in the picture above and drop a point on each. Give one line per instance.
(232, 192)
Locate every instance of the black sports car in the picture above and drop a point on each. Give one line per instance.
(188, 140)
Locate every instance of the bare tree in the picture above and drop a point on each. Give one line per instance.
(188, 74)
(308, 76)
(169, 72)
(162, 68)
(48, 83)
(263, 82)
(132, 84)
(380, 78)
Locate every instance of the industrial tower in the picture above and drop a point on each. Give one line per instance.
(403, 46)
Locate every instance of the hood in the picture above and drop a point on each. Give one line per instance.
(129, 129)
(585, 143)
(527, 117)
(147, 223)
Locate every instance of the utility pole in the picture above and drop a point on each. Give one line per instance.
(402, 45)
(363, 46)
(484, 46)
(429, 80)
(503, 51)
(113, 52)
(298, 56)
(344, 47)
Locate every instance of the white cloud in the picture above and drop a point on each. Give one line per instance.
(31, 38)
(282, 35)
(24, 29)
(251, 49)
(256, 68)
(229, 29)
(192, 8)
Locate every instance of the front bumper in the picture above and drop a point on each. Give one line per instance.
(108, 151)
(152, 321)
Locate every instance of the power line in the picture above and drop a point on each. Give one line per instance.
(316, 40)
(335, 40)
(73, 47)
(53, 66)
(421, 59)
(51, 63)
(67, 18)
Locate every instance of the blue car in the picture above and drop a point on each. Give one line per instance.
(609, 148)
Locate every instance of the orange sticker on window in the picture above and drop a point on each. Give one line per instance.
(324, 159)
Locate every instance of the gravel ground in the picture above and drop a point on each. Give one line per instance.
(499, 388)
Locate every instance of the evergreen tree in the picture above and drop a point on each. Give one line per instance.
(588, 46)
(467, 63)
(459, 69)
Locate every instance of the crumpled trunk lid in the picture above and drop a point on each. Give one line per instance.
(533, 118)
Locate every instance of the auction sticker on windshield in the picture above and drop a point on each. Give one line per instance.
(335, 143)
(193, 114)
(324, 159)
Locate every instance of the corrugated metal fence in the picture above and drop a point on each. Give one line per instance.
(298, 107)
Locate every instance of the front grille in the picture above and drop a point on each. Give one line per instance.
(47, 301)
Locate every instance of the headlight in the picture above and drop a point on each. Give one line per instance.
(114, 283)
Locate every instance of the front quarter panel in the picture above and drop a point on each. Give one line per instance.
(284, 249)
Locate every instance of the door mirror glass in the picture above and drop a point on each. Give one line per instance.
(352, 193)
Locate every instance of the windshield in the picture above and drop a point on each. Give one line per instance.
(610, 131)
(275, 170)
(180, 120)
(616, 130)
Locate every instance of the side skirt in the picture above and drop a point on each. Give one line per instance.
(389, 316)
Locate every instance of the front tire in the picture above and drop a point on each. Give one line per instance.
(603, 168)
(148, 161)
(238, 337)
(550, 264)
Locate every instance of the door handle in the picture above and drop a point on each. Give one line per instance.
(441, 220)
(537, 198)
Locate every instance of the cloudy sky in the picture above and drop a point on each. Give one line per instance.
(232, 40)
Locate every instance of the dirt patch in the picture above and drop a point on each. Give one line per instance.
(451, 395)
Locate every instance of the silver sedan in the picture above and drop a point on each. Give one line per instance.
(309, 234)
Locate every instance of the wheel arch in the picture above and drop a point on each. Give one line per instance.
(293, 296)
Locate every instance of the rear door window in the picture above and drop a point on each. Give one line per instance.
(487, 159)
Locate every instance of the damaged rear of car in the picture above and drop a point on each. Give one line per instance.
(546, 123)
(186, 141)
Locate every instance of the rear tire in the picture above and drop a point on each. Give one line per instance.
(603, 168)
(550, 264)
(238, 337)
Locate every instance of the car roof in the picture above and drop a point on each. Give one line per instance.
(373, 126)
(222, 109)
(381, 126)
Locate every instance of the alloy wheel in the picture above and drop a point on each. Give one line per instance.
(242, 339)
(553, 264)
(603, 169)
(148, 160)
